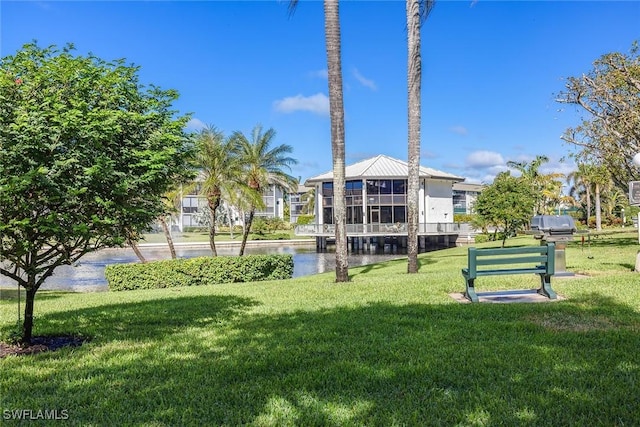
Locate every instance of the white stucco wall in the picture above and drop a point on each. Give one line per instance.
(438, 201)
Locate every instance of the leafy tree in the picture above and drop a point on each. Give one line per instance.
(262, 165)
(417, 12)
(221, 173)
(609, 94)
(545, 188)
(506, 203)
(86, 153)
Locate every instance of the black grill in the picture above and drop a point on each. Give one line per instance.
(553, 228)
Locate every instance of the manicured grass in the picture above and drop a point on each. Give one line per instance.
(385, 349)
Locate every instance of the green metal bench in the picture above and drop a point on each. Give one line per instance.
(501, 261)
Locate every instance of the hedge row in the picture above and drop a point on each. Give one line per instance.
(198, 271)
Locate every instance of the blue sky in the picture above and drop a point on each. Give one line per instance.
(491, 69)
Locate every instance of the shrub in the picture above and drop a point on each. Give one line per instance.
(195, 229)
(305, 219)
(482, 238)
(463, 217)
(198, 271)
(273, 236)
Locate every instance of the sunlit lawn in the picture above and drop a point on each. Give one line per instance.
(385, 349)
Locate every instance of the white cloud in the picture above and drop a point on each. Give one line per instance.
(484, 159)
(318, 104)
(363, 80)
(195, 124)
(460, 130)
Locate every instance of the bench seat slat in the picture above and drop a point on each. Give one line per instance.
(511, 260)
(512, 251)
(539, 269)
(535, 270)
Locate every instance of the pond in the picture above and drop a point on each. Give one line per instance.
(88, 274)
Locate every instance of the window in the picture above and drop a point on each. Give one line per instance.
(385, 215)
(399, 214)
(399, 186)
(354, 187)
(373, 186)
(385, 186)
(327, 188)
(327, 215)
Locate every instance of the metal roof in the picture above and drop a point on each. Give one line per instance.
(465, 186)
(383, 166)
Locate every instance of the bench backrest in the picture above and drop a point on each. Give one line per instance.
(543, 256)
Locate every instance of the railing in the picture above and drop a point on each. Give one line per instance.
(382, 229)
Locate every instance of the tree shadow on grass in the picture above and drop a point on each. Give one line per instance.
(567, 363)
(604, 241)
(422, 261)
(11, 294)
(144, 320)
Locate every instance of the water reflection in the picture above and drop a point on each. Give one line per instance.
(88, 274)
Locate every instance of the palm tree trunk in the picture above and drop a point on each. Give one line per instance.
(247, 229)
(230, 213)
(414, 81)
(336, 109)
(588, 203)
(598, 209)
(136, 250)
(213, 201)
(167, 235)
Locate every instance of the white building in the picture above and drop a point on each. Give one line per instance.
(194, 206)
(376, 200)
(464, 196)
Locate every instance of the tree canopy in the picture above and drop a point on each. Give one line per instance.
(609, 94)
(506, 203)
(86, 154)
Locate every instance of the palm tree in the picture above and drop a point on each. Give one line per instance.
(615, 199)
(336, 112)
(263, 166)
(601, 178)
(221, 172)
(538, 182)
(172, 200)
(581, 186)
(172, 204)
(309, 199)
(417, 12)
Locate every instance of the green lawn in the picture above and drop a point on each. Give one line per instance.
(385, 349)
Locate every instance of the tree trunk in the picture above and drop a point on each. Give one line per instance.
(598, 209)
(27, 325)
(336, 110)
(246, 231)
(588, 204)
(167, 235)
(414, 82)
(213, 201)
(136, 250)
(230, 213)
